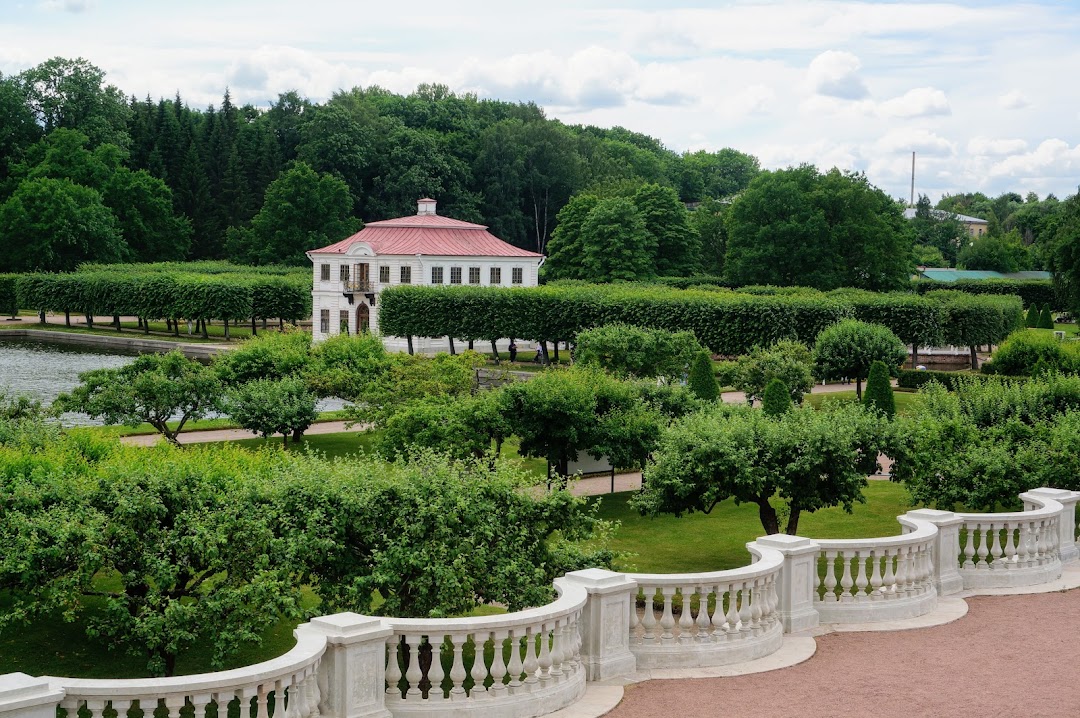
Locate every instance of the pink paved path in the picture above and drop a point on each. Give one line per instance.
(1010, 656)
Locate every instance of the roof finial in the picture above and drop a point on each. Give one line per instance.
(425, 206)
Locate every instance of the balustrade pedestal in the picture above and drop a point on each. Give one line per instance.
(947, 578)
(354, 665)
(1067, 548)
(797, 580)
(605, 640)
(22, 696)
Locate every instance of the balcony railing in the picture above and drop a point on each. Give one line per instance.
(358, 286)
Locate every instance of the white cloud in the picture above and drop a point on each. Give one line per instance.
(916, 140)
(75, 6)
(995, 146)
(836, 74)
(1053, 158)
(1014, 100)
(919, 102)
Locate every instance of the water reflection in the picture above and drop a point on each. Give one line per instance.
(43, 371)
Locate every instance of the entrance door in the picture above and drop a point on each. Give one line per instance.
(363, 318)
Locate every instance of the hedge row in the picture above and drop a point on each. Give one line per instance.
(164, 295)
(204, 267)
(913, 379)
(1030, 291)
(9, 297)
(727, 322)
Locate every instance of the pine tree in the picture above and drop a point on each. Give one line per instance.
(776, 399)
(702, 378)
(1031, 321)
(1046, 320)
(879, 393)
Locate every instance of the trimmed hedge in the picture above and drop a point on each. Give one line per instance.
(913, 379)
(1030, 291)
(728, 323)
(9, 297)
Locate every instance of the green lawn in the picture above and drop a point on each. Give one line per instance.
(106, 330)
(201, 425)
(717, 541)
(904, 399)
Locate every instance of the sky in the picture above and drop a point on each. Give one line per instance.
(984, 93)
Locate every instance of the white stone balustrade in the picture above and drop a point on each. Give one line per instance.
(517, 665)
(1019, 548)
(879, 579)
(707, 619)
(603, 625)
(291, 679)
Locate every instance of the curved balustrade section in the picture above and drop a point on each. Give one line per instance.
(879, 579)
(283, 687)
(707, 619)
(1019, 548)
(517, 665)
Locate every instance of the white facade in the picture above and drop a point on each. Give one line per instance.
(346, 285)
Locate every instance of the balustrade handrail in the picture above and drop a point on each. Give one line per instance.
(1050, 508)
(768, 561)
(921, 531)
(572, 597)
(309, 648)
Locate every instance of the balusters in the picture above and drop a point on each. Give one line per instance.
(860, 581)
(544, 659)
(531, 664)
(686, 619)
(845, 581)
(889, 579)
(732, 618)
(995, 546)
(122, 707)
(635, 620)
(703, 622)
(435, 672)
(558, 651)
(755, 608)
(983, 552)
(413, 674)
(498, 662)
(393, 670)
(875, 576)
(96, 706)
(515, 661)
(969, 546)
(744, 610)
(648, 621)
(1010, 547)
(830, 575)
(667, 620)
(457, 668)
(261, 708)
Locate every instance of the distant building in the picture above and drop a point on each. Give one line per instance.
(975, 226)
(425, 249)
(952, 275)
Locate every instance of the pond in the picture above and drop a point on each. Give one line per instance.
(44, 370)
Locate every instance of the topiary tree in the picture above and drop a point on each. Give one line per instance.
(1046, 320)
(702, 380)
(879, 393)
(777, 398)
(1031, 319)
(635, 352)
(787, 360)
(848, 348)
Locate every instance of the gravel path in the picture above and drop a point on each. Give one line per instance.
(1010, 656)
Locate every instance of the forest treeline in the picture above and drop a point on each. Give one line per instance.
(90, 174)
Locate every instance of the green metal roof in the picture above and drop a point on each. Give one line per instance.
(952, 275)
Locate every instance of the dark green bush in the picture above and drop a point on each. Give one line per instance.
(879, 393)
(1027, 351)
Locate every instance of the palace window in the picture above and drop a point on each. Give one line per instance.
(474, 275)
(324, 314)
(343, 273)
(436, 275)
(496, 275)
(406, 275)
(384, 274)
(518, 275)
(324, 272)
(455, 275)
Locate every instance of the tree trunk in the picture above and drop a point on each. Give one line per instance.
(793, 521)
(170, 663)
(67, 319)
(858, 387)
(408, 339)
(116, 321)
(89, 320)
(914, 355)
(41, 316)
(205, 333)
(974, 359)
(145, 326)
(264, 324)
(284, 440)
(297, 434)
(281, 324)
(470, 345)
(767, 515)
(253, 327)
(494, 351)
(226, 330)
(453, 351)
(556, 354)
(176, 327)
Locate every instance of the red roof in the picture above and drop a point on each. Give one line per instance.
(429, 234)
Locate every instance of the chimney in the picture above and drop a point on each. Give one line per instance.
(425, 206)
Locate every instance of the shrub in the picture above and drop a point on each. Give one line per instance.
(1023, 350)
(776, 399)
(848, 348)
(702, 380)
(879, 394)
(633, 352)
(912, 379)
(1045, 320)
(1031, 319)
(787, 360)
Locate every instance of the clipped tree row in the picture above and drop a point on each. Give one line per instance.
(726, 322)
(204, 267)
(1030, 291)
(9, 297)
(167, 296)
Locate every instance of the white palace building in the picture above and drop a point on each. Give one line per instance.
(424, 249)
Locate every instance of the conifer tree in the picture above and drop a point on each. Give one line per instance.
(777, 398)
(1031, 320)
(702, 378)
(879, 393)
(1046, 319)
